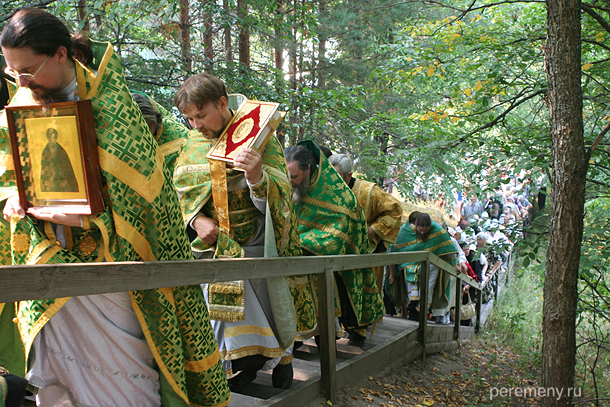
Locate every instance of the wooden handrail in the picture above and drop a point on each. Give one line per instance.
(65, 280)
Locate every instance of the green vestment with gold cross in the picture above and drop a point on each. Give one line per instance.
(193, 182)
(331, 222)
(170, 135)
(438, 242)
(141, 222)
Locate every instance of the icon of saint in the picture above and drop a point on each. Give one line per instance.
(57, 174)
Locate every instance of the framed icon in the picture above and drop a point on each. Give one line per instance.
(55, 157)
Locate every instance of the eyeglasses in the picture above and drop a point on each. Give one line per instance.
(26, 75)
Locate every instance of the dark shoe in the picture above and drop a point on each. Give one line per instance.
(356, 340)
(413, 311)
(282, 376)
(237, 383)
(16, 389)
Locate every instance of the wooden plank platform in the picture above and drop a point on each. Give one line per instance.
(394, 338)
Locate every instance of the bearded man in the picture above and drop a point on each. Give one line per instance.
(331, 222)
(138, 348)
(425, 234)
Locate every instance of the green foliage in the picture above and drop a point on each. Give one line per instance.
(516, 319)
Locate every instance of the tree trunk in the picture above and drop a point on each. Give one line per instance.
(244, 33)
(228, 40)
(185, 38)
(278, 52)
(563, 70)
(322, 49)
(292, 63)
(279, 49)
(208, 44)
(82, 14)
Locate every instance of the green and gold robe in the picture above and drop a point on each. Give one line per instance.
(193, 182)
(142, 221)
(438, 242)
(383, 213)
(170, 135)
(331, 222)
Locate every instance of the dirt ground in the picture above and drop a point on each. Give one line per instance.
(478, 374)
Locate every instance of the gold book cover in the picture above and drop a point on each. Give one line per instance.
(250, 127)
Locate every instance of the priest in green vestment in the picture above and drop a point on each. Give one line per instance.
(424, 234)
(229, 212)
(331, 222)
(148, 347)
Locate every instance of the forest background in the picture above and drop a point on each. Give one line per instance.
(448, 95)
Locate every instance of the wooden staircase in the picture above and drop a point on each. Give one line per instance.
(394, 339)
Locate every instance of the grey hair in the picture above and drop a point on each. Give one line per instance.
(343, 162)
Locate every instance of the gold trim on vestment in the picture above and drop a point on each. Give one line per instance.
(33, 257)
(49, 232)
(168, 293)
(286, 360)
(332, 207)
(248, 330)
(46, 256)
(442, 244)
(252, 350)
(239, 211)
(100, 71)
(186, 169)
(412, 242)
(293, 281)
(171, 147)
(218, 172)
(68, 236)
(331, 230)
(151, 344)
(86, 223)
(100, 224)
(203, 364)
(139, 243)
(148, 188)
(235, 314)
(229, 287)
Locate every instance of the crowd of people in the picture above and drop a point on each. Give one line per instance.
(479, 246)
(164, 200)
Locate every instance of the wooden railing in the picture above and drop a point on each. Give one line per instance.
(67, 280)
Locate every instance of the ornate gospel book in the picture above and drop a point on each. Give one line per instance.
(250, 127)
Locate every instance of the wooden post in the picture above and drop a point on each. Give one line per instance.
(477, 326)
(458, 307)
(326, 325)
(497, 278)
(423, 305)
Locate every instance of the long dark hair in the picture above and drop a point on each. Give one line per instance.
(301, 155)
(44, 34)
